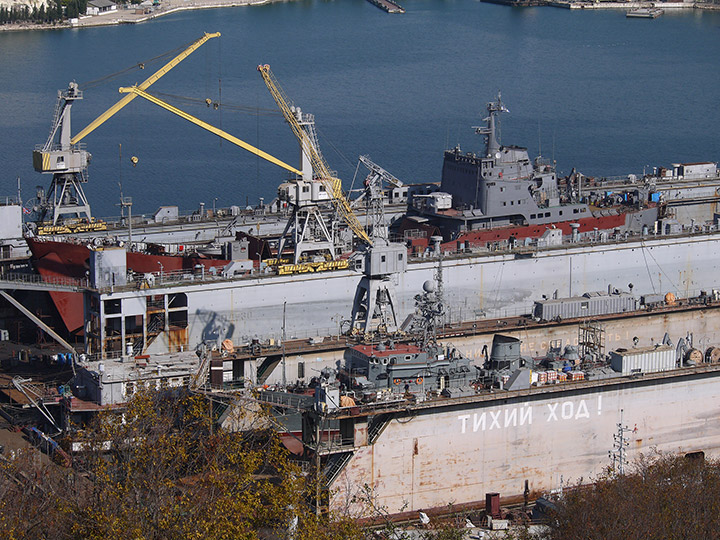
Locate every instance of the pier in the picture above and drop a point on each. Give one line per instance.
(388, 6)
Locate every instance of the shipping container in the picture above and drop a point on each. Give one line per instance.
(588, 305)
(643, 360)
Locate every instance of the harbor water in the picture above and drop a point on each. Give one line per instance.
(595, 91)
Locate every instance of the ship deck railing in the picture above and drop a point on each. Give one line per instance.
(160, 279)
(287, 400)
(587, 239)
(37, 281)
(333, 443)
(642, 180)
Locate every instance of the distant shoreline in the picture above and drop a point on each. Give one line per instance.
(130, 15)
(168, 7)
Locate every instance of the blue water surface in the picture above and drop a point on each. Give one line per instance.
(589, 89)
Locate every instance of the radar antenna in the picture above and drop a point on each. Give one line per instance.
(492, 146)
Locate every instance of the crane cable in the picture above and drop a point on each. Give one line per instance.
(139, 65)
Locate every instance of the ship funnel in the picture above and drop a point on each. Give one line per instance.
(505, 352)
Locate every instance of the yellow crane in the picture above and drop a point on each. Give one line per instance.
(142, 86)
(332, 185)
(136, 91)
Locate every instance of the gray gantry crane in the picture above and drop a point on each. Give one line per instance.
(375, 304)
(67, 160)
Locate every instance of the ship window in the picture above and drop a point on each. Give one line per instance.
(575, 210)
(322, 188)
(547, 214)
(584, 305)
(112, 306)
(504, 203)
(502, 189)
(561, 212)
(512, 203)
(532, 216)
(382, 258)
(301, 370)
(177, 300)
(408, 357)
(179, 319)
(384, 361)
(400, 256)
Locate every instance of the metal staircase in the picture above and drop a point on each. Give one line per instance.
(376, 425)
(335, 464)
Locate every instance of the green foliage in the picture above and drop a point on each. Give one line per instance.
(20, 14)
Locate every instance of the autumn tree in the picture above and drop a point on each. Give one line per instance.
(162, 469)
(662, 497)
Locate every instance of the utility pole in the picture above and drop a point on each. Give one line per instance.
(284, 374)
(618, 454)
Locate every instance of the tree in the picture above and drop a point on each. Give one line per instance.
(162, 469)
(663, 497)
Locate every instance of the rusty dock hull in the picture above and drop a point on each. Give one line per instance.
(455, 451)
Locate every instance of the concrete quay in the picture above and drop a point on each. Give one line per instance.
(622, 5)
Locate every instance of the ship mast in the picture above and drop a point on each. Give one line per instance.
(492, 146)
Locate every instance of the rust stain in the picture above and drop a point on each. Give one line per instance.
(178, 337)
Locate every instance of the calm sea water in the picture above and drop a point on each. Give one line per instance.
(593, 90)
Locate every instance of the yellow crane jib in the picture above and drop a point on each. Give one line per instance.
(212, 129)
(332, 185)
(143, 86)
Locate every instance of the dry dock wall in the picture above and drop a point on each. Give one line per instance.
(492, 285)
(457, 453)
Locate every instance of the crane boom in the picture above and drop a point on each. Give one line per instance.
(332, 185)
(142, 86)
(136, 91)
